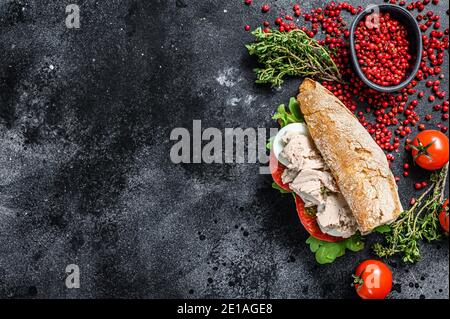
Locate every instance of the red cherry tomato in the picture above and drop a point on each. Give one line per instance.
(310, 223)
(277, 169)
(443, 217)
(430, 149)
(373, 280)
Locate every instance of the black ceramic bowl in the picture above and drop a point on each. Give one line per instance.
(415, 39)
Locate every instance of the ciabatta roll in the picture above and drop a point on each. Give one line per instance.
(357, 163)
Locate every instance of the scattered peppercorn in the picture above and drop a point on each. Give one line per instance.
(385, 64)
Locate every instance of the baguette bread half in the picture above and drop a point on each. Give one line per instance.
(357, 163)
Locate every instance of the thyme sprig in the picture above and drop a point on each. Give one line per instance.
(291, 53)
(420, 222)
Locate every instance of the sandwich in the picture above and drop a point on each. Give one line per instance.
(336, 170)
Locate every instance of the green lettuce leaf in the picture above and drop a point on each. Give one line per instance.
(276, 186)
(383, 229)
(270, 143)
(293, 116)
(326, 252)
(294, 109)
(314, 243)
(354, 243)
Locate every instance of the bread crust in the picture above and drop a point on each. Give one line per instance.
(357, 163)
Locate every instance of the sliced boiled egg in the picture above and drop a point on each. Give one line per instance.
(278, 144)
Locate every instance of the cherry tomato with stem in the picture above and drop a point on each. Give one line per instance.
(430, 149)
(372, 280)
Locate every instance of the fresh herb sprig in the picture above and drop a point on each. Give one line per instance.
(420, 222)
(291, 53)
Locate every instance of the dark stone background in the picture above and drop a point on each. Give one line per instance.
(85, 175)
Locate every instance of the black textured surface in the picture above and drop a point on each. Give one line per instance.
(85, 175)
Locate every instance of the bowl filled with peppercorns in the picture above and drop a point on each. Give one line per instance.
(386, 47)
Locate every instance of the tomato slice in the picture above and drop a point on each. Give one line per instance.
(310, 223)
(277, 169)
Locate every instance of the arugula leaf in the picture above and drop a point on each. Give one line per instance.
(326, 252)
(354, 243)
(276, 186)
(314, 243)
(270, 143)
(382, 229)
(322, 257)
(294, 108)
(284, 118)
